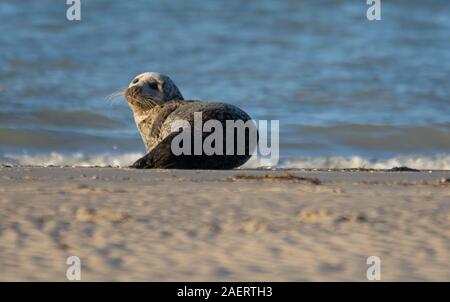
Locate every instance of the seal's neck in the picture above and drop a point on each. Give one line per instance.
(144, 121)
(141, 115)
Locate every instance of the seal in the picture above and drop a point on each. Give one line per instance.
(157, 104)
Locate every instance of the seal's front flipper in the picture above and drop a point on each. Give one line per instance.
(160, 157)
(140, 163)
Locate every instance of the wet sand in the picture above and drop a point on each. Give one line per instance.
(239, 225)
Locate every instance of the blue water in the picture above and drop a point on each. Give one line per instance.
(347, 92)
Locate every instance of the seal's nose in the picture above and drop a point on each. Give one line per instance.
(134, 89)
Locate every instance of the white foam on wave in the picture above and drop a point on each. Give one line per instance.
(76, 159)
(439, 162)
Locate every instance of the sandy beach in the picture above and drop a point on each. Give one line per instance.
(239, 225)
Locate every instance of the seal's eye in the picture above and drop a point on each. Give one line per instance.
(153, 85)
(135, 80)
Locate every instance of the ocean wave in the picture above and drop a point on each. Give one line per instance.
(438, 162)
(76, 159)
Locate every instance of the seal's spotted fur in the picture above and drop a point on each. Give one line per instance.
(157, 103)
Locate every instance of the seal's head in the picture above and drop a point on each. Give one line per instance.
(150, 89)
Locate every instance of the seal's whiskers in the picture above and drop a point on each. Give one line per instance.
(115, 96)
(146, 102)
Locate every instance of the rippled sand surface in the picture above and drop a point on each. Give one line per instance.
(223, 225)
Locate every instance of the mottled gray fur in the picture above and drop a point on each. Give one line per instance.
(157, 103)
